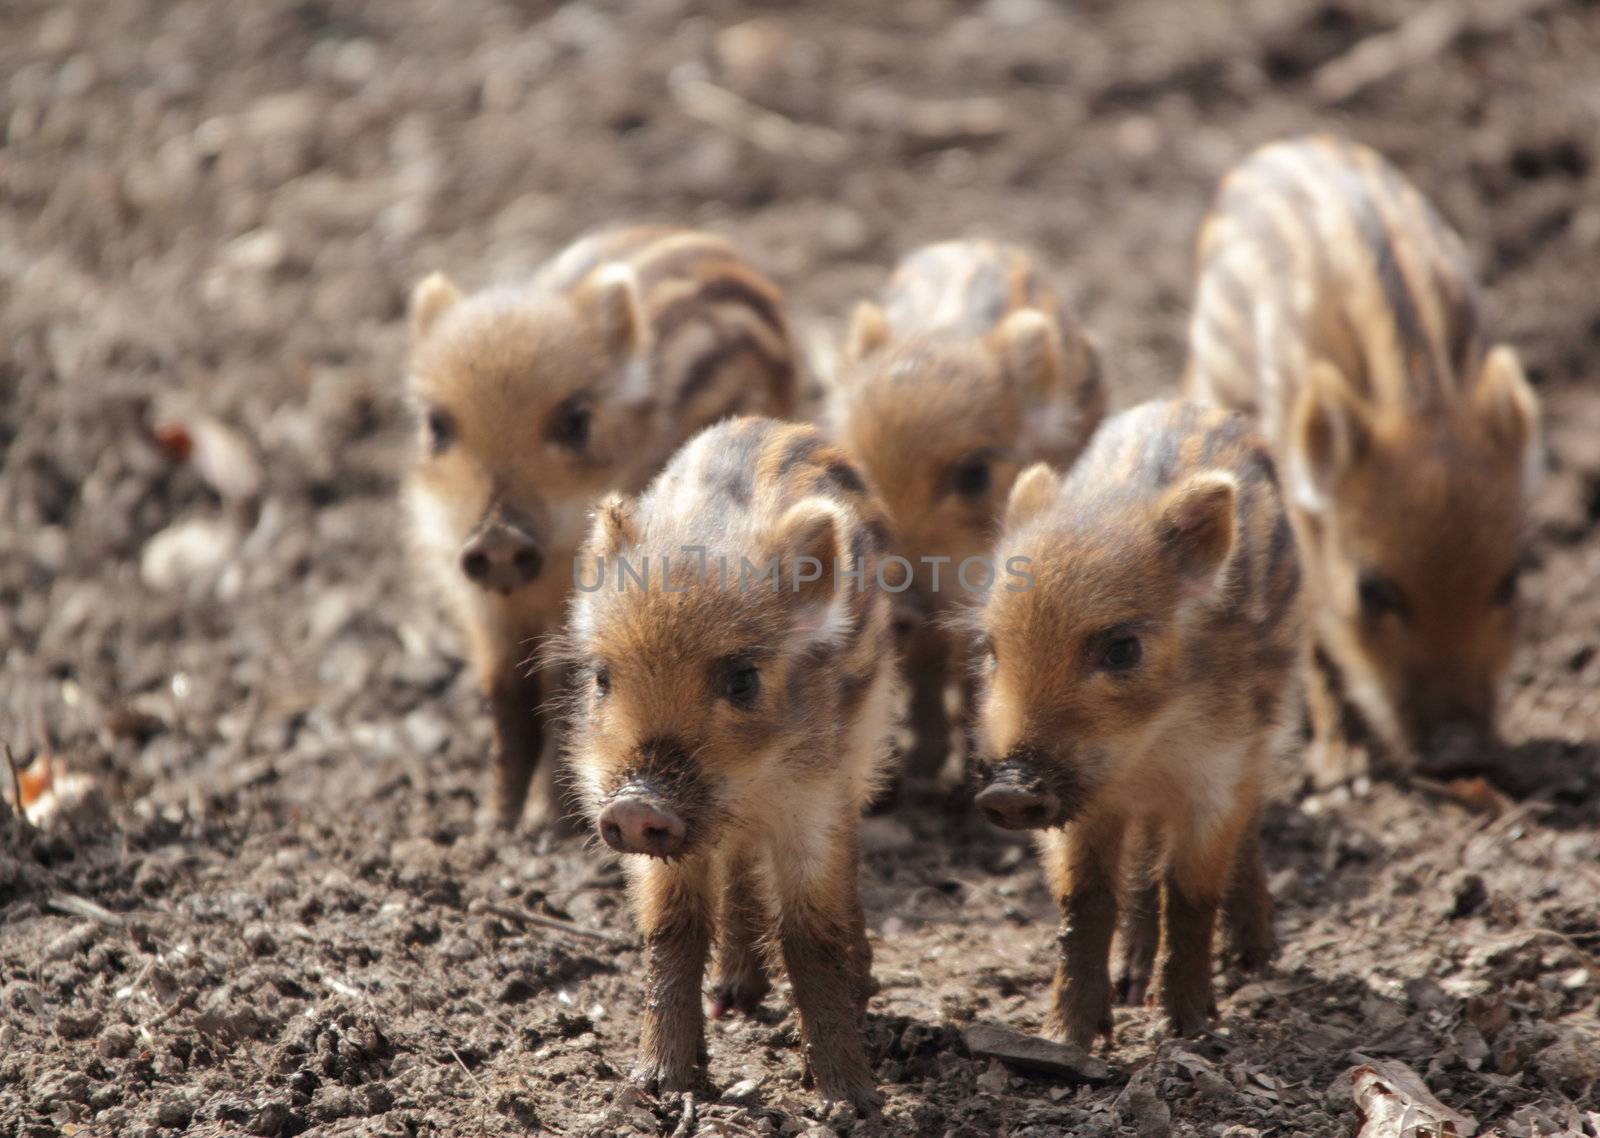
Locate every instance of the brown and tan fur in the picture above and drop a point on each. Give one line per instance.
(534, 400)
(969, 370)
(765, 790)
(1337, 305)
(1132, 694)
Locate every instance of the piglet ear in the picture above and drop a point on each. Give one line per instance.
(614, 529)
(434, 295)
(615, 307)
(1031, 353)
(1330, 429)
(1198, 524)
(809, 543)
(1504, 402)
(1034, 489)
(869, 331)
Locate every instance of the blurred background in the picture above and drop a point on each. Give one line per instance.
(210, 218)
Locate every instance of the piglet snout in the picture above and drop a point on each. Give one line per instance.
(1014, 807)
(636, 824)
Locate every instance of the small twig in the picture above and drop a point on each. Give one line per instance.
(466, 1070)
(685, 1125)
(16, 786)
(1428, 32)
(81, 907)
(699, 98)
(523, 917)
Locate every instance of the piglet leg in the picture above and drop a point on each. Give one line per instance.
(673, 905)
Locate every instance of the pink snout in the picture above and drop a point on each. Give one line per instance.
(635, 824)
(1013, 807)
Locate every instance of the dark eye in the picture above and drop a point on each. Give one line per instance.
(1380, 596)
(1506, 591)
(743, 685)
(971, 476)
(1121, 654)
(602, 679)
(569, 427)
(440, 428)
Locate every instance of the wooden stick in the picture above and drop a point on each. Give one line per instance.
(523, 917)
(16, 786)
(1427, 33)
(83, 907)
(700, 98)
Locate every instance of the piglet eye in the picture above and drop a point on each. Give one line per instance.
(569, 426)
(971, 477)
(1506, 591)
(743, 685)
(602, 679)
(440, 429)
(1380, 596)
(1122, 654)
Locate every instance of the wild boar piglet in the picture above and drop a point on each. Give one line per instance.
(535, 399)
(1133, 688)
(969, 369)
(730, 723)
(1337, 305)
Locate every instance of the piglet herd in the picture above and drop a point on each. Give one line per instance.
(733, 609)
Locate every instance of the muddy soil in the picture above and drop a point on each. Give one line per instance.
(284, 918)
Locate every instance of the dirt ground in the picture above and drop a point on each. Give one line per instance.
(216, 210)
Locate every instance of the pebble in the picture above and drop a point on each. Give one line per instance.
(175, 1112)
(271, 1119)
(73, 941)
(117, 1041)
(1033, 1053)
(426, 731)
(187, 552)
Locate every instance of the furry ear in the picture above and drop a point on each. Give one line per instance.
(1028, 343)
(1330, 428)
(1198, 523)
(808, 543)
(614, 529)
(611, 298)
(1034, 489)
(869, 331)
(1504, 402)
(434, 295)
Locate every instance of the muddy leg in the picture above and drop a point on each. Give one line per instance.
(927, 670)
(823, 939)
(1141, 924)
(552, 799)
(1197, 880)
(674, 909)
(861, 948)
(1187, 923)
(1247, 909)
(1333, 756)
(741, 982)
(1083, 865)
(515, 703)
(968, 722)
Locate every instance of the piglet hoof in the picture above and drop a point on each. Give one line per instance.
(743, 996)
(1255, 953)
(1081, 1029)
(664, 1079)
(863, 1098)
(1189, 1016)
(498, 820)
(1133, 987)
